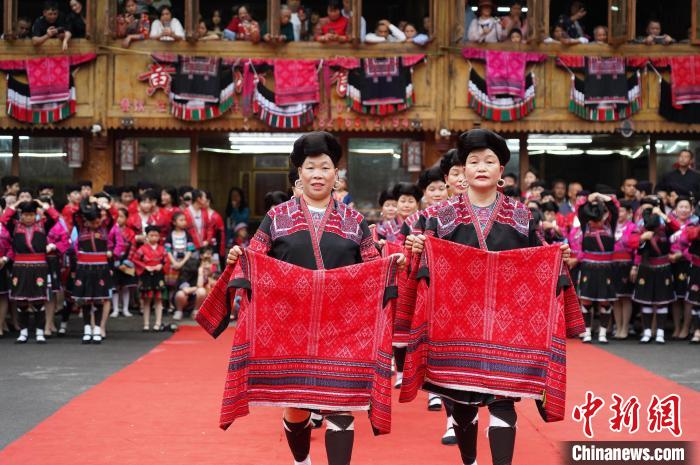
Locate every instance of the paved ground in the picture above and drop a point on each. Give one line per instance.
(37, 379)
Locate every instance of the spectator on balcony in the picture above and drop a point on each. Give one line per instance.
(571, 23)
(215, 23)
(600, 35)
(516, 36)
(132, 25)
(428, 26)
(286, 28)
(22, 29)
(51, 25)
(559, 36)
(76, 19)
(485, 28)
(167, 28)
(515, 20)
(299, 20)
(243, 26)
(385, 32)
(654, 36)
(334, 27)
(413, 36)
(347, 12)
(204, 34)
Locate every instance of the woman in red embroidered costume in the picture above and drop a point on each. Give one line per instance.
(482, 218)
(92, 284)
(623, 256)
(30, 271)
(315, 231)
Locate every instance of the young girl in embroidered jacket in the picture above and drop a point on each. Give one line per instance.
(180, 247)
(92, 284)
(6, 256)
(59, 235)
(486, 219)
(388, 228)
(121, 241)
(652, 269)
(315, 231)
(30, 272)
(680, 264)
(598, 217)
(626, 242)
(150, 260)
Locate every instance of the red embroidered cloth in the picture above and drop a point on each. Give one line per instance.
(296, 81)
(492, 322)
(505, 71)
(317, 339)
(402, 307)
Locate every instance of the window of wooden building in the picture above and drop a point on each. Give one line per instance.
(501, 10)
(31, 10)
(674, 17)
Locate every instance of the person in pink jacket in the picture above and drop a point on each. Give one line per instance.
(626, 242)
(59, 235)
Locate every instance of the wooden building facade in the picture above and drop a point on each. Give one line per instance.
(113, 106)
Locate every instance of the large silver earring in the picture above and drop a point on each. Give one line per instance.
(501, 183)
(299, 185)
(336, 185)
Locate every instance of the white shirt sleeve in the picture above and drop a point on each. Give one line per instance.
(177, 28)
(156, 28)
(397, 33)
(373, 38)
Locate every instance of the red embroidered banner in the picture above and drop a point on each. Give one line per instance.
(492, 322)
(316, 339)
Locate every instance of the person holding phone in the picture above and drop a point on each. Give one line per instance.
(51, 25)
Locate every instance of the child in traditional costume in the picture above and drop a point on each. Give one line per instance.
(6, 255)
(652, 271)
(482, 218)
(623, 257)
(92, 283)
(680, 264)
(30, 271)
(388, 227)
(59, 235)
(598, 217)
(122, 241)
(150, 260)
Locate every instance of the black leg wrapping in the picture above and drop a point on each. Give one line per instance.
(502, 438)
(449, 406)
(605, 316)
(86, 314)
(67, 309)
(23, 317)
(298, 438)
(40, 318)
(400, 357)
(647, 319)
(340, 435)
(466, 423)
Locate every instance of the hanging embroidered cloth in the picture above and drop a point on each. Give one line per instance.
(685, 78)
(505, 71)
(605, 112)
(605, 93)
(382, 86)
(281, 117)
(48, 96)
(316, 339)
(492, 322)
(500, 108)
(202, 88)
(688, 113)
(296, 81)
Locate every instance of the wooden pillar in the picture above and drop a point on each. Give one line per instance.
(273, 17)
(652, 160)
(194, 159)
(524, 161)
(99, 161)
(15, 156)
(356, 21)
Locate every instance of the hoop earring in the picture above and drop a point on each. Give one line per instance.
(336, 185)
(501, 183)
(299, 185)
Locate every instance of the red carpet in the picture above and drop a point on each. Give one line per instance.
(163, 409)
